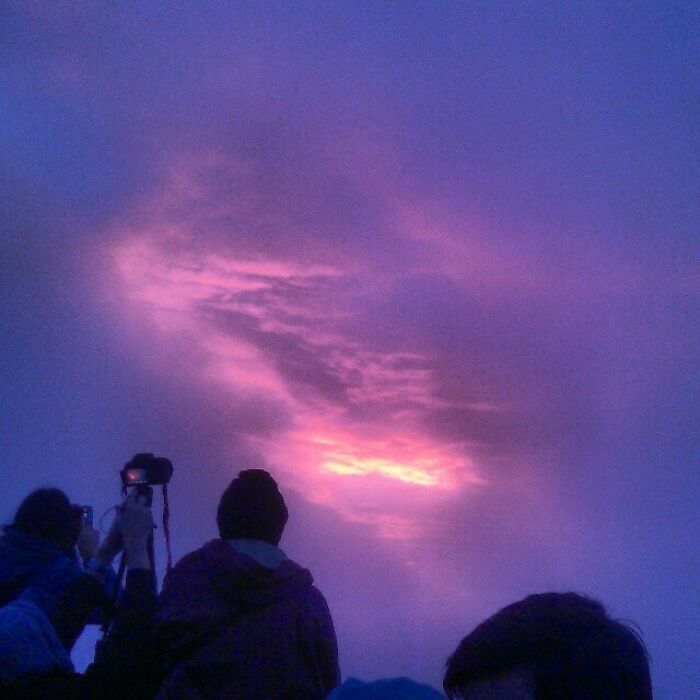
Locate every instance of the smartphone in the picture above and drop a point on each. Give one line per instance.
(87, 514)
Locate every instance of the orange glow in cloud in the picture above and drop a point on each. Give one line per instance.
(405, 458)
(345, 464)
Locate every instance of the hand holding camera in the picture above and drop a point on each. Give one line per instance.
(136, 526)
(132, 527)
(130, 531)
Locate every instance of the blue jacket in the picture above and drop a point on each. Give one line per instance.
(28, 642)
(385, 689)
(35, 569)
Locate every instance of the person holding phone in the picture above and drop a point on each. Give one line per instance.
(34, 661)
(39, 549)
(51, 554)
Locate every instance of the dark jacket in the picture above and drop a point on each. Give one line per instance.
(232, 628)
(122, 667)
(38, 571)
(30, 562)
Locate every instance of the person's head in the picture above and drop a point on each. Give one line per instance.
(550, 646)
(252, 508)
(47, 513)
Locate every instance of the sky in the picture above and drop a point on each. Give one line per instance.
(434, 265)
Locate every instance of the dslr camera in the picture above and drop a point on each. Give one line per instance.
(145, 469)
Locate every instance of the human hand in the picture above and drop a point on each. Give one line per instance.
(136, 524)
(112, 543)
(88, 540)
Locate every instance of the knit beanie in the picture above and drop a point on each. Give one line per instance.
(252, 508)
(47, 513)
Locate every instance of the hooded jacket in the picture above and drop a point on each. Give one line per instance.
(36, 567)
(230, 627)
(35, 666)
(28, 642)
(36, 570)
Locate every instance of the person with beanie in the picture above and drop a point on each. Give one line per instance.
(238, 618)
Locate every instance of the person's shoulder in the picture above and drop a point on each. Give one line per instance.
(197, 557)
(186, 571)
(316, 599)
(190, 590)
(197, 563)
(301, 580)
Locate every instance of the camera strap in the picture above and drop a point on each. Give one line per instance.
(166, 528)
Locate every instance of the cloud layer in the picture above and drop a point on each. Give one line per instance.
(435, 267)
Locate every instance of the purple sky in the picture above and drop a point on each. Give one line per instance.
(435, 265)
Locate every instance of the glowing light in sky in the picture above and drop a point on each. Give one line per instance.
(348, 465)
(405, 458)
(433, 264)
(287, 331)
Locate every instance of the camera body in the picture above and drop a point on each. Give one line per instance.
(145, 469)
(141, 473)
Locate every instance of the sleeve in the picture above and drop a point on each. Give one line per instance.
(133, 624)
(326, 645)
(184, 608)
(50, 685)
(124, 666)
(76, 607)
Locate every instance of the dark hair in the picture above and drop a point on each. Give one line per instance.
(567, 643)
(253, 508)
(47, 513)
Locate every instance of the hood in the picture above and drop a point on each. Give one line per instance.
(240, 580)
(22, 554)
(35, 568)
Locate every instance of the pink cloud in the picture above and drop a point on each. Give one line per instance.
(272, 325)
